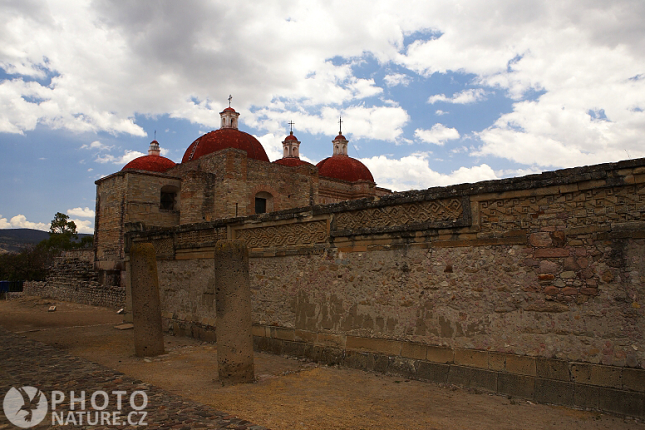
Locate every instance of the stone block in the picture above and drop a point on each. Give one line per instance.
(146, 304)
(595, 374)
(305, 336)
(258, 330)
(552, 369)
(554, 392)
(413, 350)
(551, 253)
(622, 402)
(383, 346)
(283, 333)
(496, 361)
(586, 396)
(402, 366)
(541, 239)
(472, 358)
(233, 309)
(522, 365)
(330, 339)
(516, 385)
(293, 349)
(633, 379)
(433, 371)
(569, 188)
(587, 185)
(470, 377)
(381, 362)
(439, 354)
(359, 360)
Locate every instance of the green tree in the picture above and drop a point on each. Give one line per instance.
(62, 225)
(62, 234)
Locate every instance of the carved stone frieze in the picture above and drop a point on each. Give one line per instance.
(434, 212)
(296, 234)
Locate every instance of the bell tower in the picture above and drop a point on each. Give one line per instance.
(229, 116)
(291, 145)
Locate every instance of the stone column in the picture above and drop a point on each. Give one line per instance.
(233, 308)
(146, 308)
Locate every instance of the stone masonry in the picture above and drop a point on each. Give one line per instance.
(72, 278)
(525, 286)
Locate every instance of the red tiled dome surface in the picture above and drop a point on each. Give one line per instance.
(151, 163)
(292, 162)
(229, 109)
(340, 136)
(345, 168)
(225, 138)
(291, 137)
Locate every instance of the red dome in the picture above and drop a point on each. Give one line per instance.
(340, 136)
(229, 109)
(151, 163)
(292, 162)
(345, 168)
(225, 138)
(291, 137)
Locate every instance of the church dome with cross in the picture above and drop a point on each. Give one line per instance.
(342, 166)
(153, 162)
(291, 151)
(228, 136)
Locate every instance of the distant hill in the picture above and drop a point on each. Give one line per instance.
(17, 239)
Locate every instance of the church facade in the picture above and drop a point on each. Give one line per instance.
(223, 174)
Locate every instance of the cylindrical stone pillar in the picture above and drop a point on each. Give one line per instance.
(233, 311)
(146, 308)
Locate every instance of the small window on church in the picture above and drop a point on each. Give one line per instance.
(168, 198)
(260, 205)
(263, 202)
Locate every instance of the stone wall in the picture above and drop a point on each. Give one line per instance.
(528, 286)
(72, 278)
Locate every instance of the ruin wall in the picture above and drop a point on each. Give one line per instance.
(527, 286)
(72, 278)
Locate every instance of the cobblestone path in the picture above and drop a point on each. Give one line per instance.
(24, 362)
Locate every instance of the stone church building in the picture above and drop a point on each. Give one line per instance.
(223, 174)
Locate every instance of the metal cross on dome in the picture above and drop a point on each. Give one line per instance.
(230, 97)
(340, 121)
(291, 123)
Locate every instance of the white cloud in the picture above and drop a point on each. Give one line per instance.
(83, 225)
(414, 172)
(463, 97)
(81, 212)
(397, 79)
(128, 155)
(20, 221)
(97, 145)
(440, 112)
(376, 122)
(101, 63)
(438, 134)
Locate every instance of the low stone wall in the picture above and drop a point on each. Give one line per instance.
(72, 278)
(95, 295)
(540, 272)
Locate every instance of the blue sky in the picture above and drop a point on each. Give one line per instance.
(431, 93)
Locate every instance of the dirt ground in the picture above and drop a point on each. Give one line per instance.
(289, 394)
